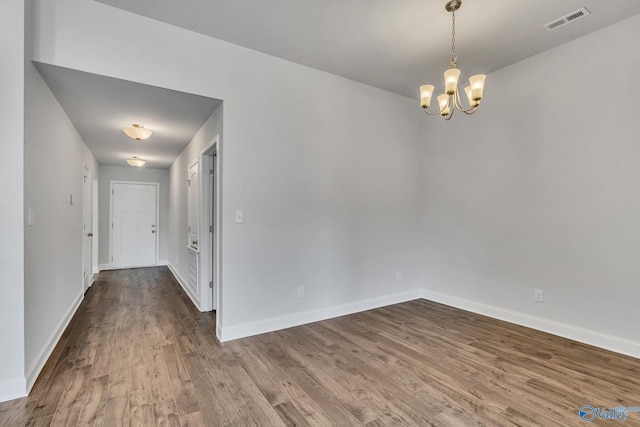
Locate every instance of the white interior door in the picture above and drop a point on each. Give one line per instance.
(87, 272)
(134, 223)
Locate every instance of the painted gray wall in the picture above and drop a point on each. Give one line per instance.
(540, 188)
(128, 173)
(55, 155)
(12, 381)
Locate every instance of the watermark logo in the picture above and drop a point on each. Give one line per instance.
(589, 413)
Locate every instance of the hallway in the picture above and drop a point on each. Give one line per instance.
(137, 353)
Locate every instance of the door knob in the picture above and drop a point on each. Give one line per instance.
(153, 231)
(89, 234)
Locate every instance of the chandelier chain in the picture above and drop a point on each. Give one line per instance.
(453, 63)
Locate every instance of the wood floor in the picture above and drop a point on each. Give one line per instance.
(137, 353)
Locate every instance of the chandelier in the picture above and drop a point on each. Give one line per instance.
(449, 101)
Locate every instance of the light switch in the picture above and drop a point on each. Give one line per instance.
(239, 217)
(31, 220)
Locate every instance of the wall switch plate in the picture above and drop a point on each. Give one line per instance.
(399, 276)
(538, 295)
(239, 217)
(300, 291)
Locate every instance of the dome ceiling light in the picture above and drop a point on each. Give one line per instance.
(136, 161)
(137, 132)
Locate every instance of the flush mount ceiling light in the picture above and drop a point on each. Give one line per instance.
(136, 161)
(450, 99)
(137, 132)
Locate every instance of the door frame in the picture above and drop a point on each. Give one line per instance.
(210, 208)
(87, 227)
(111, 185)
(95, 244)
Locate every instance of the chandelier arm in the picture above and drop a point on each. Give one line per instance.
(429, 113)
(468, 111)
(437, 113)
(451, 106)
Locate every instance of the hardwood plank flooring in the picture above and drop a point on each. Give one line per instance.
(137, 353)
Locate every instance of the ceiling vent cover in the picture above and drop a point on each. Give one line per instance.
(570, 17)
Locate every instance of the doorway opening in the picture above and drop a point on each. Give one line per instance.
(210, 235)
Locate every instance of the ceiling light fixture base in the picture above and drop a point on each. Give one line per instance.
(453, 5)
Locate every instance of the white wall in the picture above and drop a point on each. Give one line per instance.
(55, 154)
(178, 252)
(128, 173)
(540, 190)
(12, 381)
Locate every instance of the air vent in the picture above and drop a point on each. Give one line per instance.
(570, 17)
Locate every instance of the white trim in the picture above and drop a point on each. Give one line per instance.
(97, 269)
(94, 229)
(45, 352)
(157, 185)
(105, 267)
(13, 389)
(282, 322)
(575, 333)
(187, 289)
(162, 263)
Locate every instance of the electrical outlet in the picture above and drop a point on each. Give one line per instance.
(538, 295)
(300, 291)
(239, 217)
(399, 276)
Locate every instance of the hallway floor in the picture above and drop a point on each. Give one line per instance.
(137, 353)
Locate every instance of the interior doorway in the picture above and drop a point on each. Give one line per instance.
(134, 224)
(210, 225)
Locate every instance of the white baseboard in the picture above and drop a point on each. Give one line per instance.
(187, 289)
(105, 266)
(95, 269)
(282, 322)
(596, 339)
(47, 349)
(162, 263)
(13, 389)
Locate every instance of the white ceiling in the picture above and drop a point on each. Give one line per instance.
(391, 44)
(100, 107)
